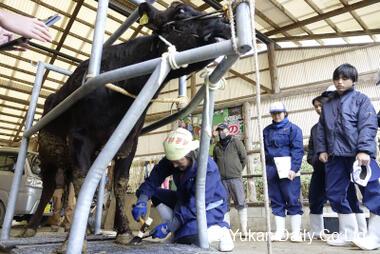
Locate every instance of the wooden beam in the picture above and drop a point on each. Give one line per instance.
(9, 122)
(20, 88)
(19, 101)
(249, 80)
(323, 16)
(39, 51)
(273, 72)
(269, 21)
(136, 32)
(327, 35)
(22, 109)
(7, 134)
(290, 16)
(5, 142)
(7, 128)
(328, 21)
(359, 20)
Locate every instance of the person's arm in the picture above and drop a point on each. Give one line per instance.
(154, 180)
(296, 148)
(27, 27)
(321, 135)
(241, 152)
(367, 128)
(310, 148)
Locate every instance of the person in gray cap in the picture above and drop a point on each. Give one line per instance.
(231, 157)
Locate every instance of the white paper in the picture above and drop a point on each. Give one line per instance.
(283, 165)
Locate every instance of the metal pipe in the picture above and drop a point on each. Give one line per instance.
(57, 69)
(217, 74)
(122, 131)
(243, 22)
(127, 23)
(180, 114)
(138, 2)
(200, 189)
(182, 89)
(97, 45)
(99, 204)
(133, 17)
(185, 57)
(223, 67)
(7, 224)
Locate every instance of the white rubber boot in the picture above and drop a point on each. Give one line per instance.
(295, 222)
(317, 226)
(348, 230)
(243, 222)
(362, 224)
(221, 236)
(372, 240)
(227, 218)
(279, 235)
(165, 212)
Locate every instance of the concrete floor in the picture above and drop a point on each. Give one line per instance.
(106, 245)
(316, 247)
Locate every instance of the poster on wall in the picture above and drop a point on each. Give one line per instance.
(231, 116)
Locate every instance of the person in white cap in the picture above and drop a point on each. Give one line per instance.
(283, 156)
(178, 208)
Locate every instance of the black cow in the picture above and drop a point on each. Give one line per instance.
(72, 140)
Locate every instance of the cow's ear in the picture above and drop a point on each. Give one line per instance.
(148, 16)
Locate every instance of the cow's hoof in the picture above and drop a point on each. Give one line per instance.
(63, 248)
(124, 238)
(27, 232)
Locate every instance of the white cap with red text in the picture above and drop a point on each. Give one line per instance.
(179, 143)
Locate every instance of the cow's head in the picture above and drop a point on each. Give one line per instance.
(184, 26)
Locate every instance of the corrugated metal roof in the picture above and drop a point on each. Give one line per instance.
(290, 22)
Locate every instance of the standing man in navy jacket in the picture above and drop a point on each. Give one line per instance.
(346, 133)
(284, 139)
(317, 193)
(178, 208)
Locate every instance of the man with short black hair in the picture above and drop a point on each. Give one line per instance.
(231, 157)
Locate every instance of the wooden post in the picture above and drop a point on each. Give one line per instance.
(273, 68)
(248, 139)
(193, 83)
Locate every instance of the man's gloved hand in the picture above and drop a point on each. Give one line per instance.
(161, 231)
(139, 210)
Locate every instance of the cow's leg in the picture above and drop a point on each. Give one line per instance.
(81, 149)
(48, 178)
(124, 234)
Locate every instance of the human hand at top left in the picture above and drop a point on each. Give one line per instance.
(30, 28)
(5, 36)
